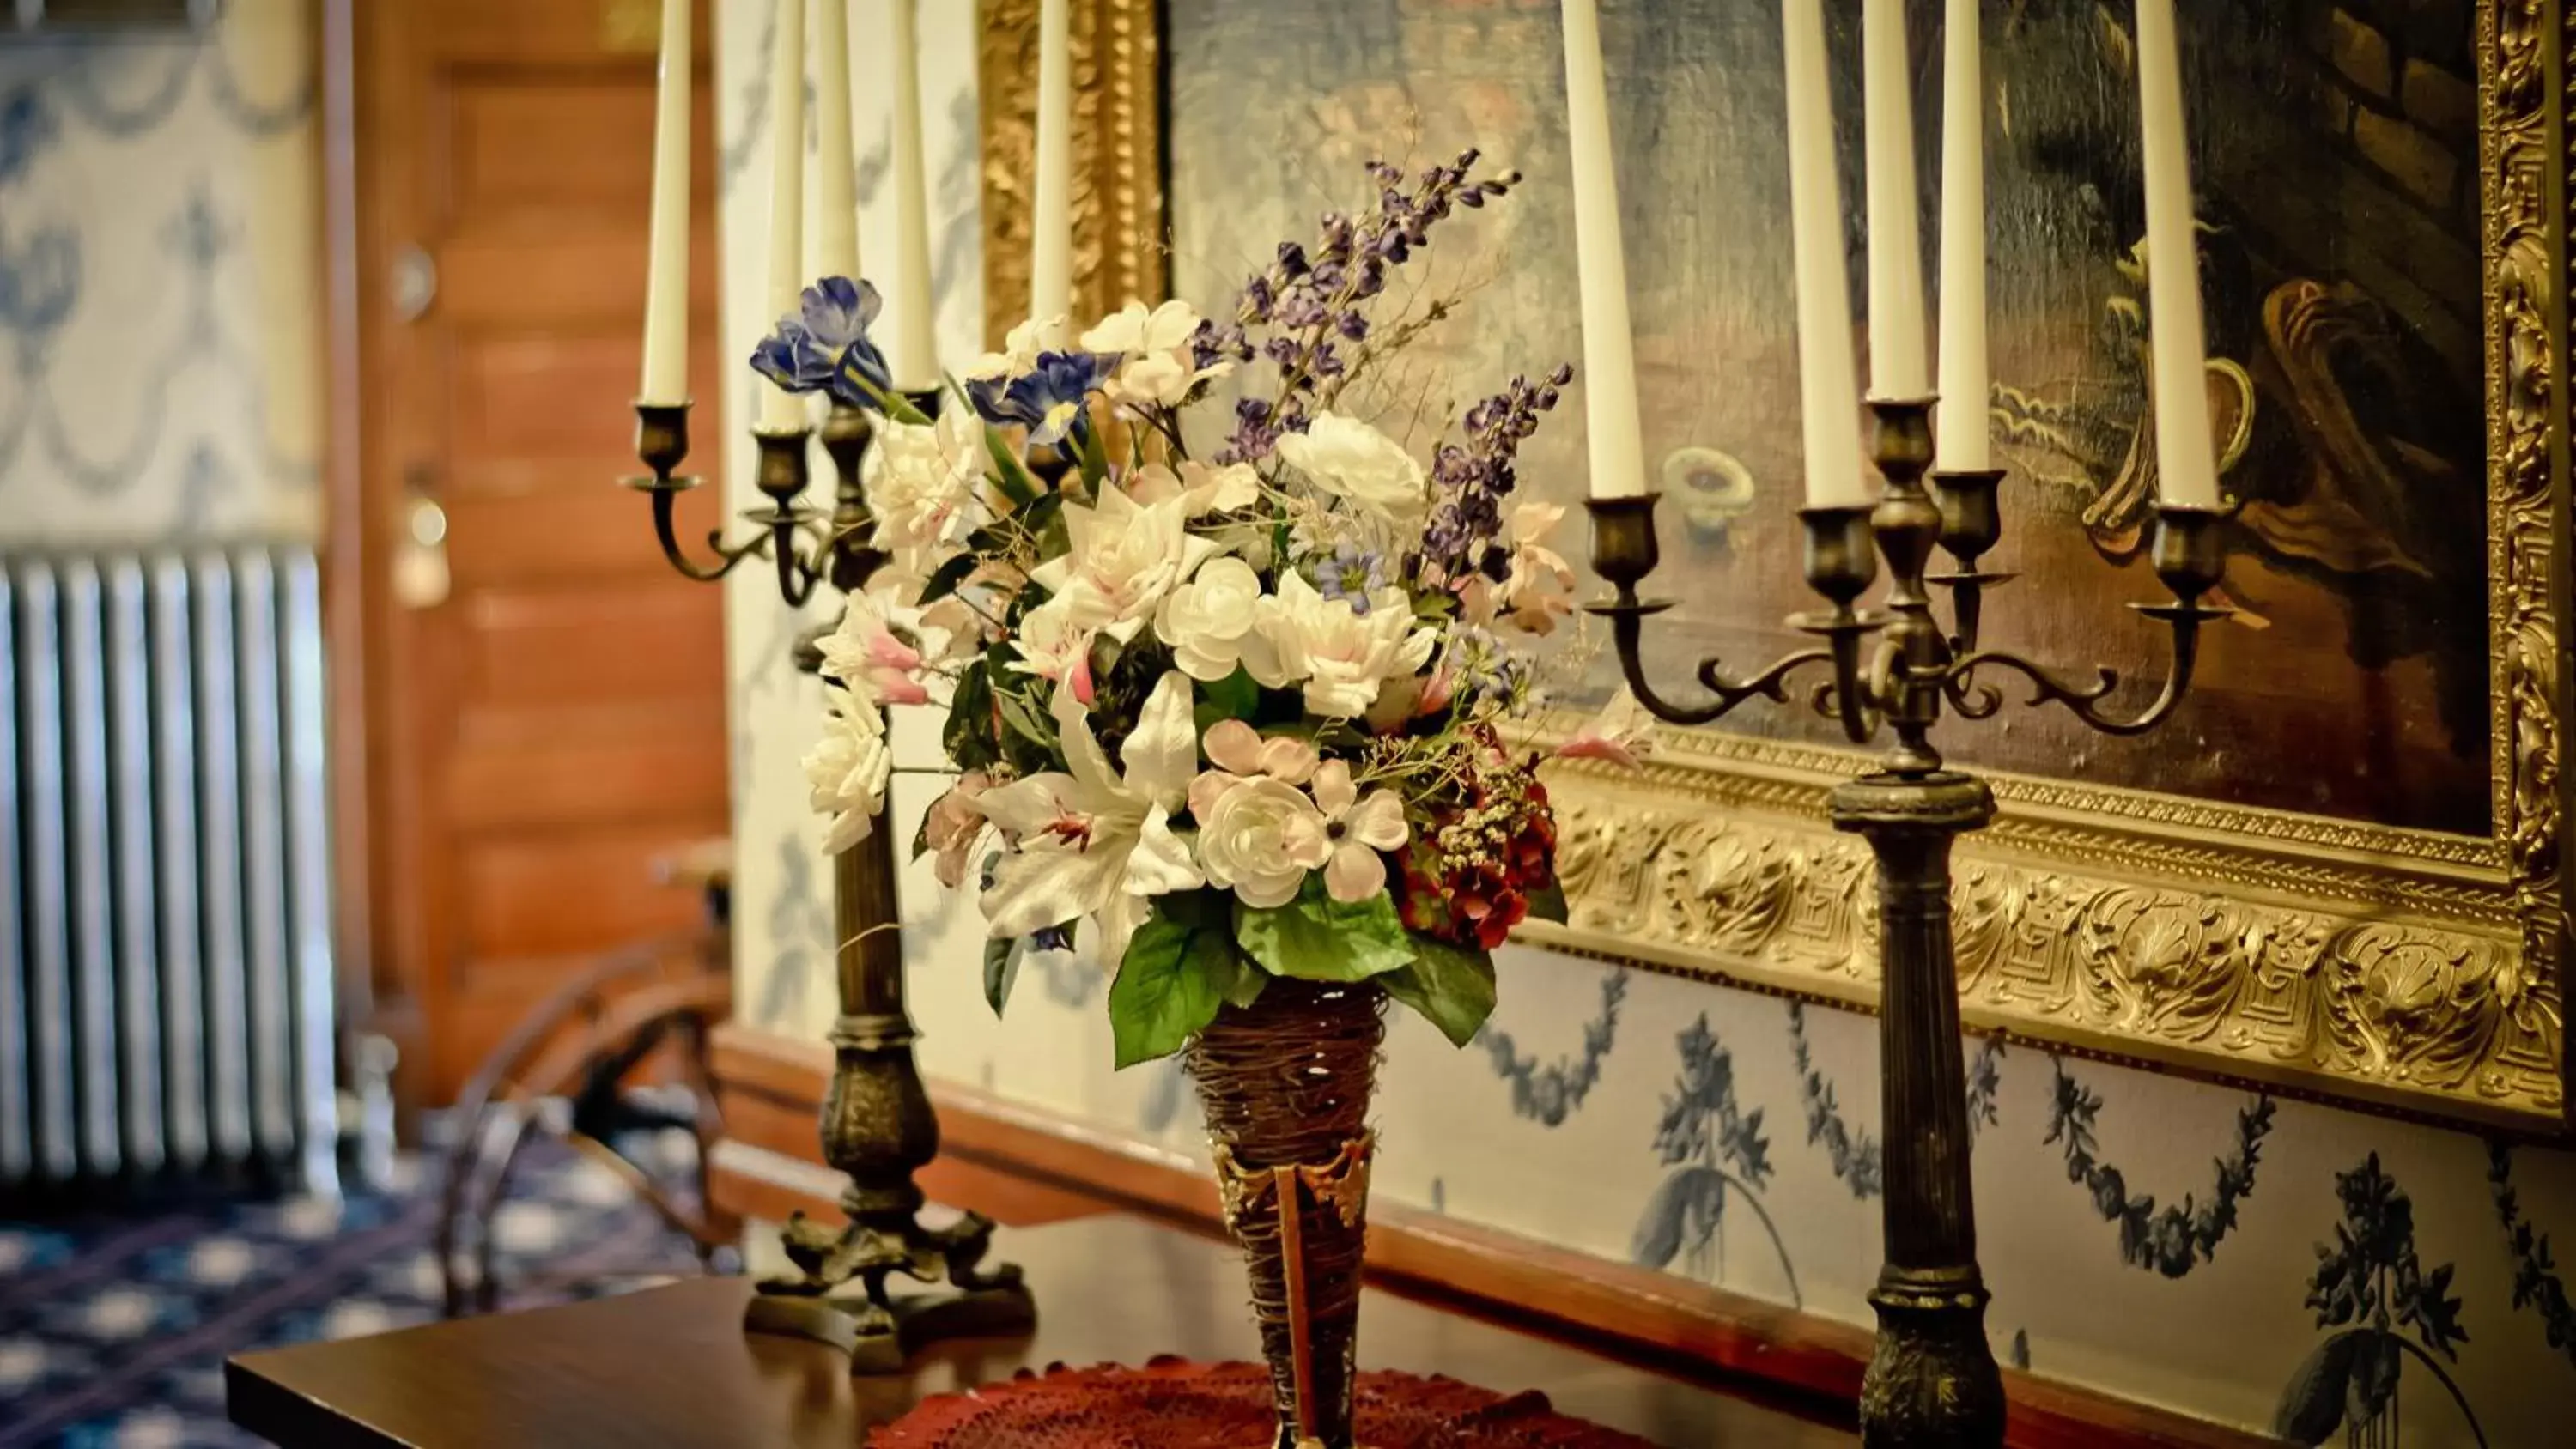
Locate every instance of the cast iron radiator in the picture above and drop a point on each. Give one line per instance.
(165, 959)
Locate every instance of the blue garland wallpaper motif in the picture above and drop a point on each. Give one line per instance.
(159, 291)
(2292, 1269)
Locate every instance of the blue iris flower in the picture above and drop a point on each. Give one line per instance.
(1048, 399)
(825, 348)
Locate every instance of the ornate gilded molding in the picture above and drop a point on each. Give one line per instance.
(1118, 231)
(2403, 969)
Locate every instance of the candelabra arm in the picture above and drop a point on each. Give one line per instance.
(662, 444)
(1624, 551)
(2188, 558)
(1971, 524)
(666, 497)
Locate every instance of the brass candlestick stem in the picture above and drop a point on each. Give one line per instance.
(878, 1127)
(1932, 1380)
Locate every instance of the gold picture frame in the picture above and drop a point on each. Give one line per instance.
(2407, 970)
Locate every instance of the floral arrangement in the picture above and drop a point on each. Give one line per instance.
(1227, 680)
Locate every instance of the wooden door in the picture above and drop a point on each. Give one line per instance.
(550, 721)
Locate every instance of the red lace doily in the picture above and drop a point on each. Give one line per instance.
(1172, 1402)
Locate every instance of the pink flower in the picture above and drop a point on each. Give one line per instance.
(1359, 827)
(1622, 733)
(1238, 748)
(896, 687)
(954, 824)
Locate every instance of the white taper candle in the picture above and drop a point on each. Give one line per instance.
(1051, 200)
(666, 284)
(1609, 350)
(914, 352)
(1962, 431)
(1898, 357)
(836, 199)
(1828, 389)
(2186, 459)
(780, 410)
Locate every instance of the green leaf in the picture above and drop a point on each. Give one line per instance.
(945, 579)
(1548, 903)
(1095, 458)
(968, 735)
(1317, 938)
(1247, 985)
(1169, 986)
(1002, 969)
(1234, 697)
(1020, 717)
(1451, 986)
(1009, 473)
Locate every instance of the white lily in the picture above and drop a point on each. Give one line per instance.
(1092, 843)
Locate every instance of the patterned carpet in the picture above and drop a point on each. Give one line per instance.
(114, 1330)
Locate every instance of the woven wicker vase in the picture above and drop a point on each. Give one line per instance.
(1286, 1085)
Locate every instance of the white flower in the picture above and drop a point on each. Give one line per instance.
(1020, 349)
(922, 479)
(1091, 843)
(847, 769)
(1210, 622)
(1538, 589)
(1056, 648)
(1122, 560)
(868, 656)
(1349, 459)
(1132, 328)
(1202, 490)
(1260, 837)
(1159, 367)
(1358, 827)
(1341, 654)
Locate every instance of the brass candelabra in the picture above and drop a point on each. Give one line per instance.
(878, 1127)
(1932, 1380)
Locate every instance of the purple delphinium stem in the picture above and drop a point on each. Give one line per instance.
(1470, 480)
(1307, 308)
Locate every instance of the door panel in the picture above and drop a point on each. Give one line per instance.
(554, 722)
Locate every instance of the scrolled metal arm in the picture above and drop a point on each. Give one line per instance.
(1624, 550)
(2189, 558)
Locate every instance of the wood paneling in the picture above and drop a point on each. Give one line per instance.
(539, 735)
(767, 1083)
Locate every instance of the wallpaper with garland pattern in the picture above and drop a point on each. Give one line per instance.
(160, 286)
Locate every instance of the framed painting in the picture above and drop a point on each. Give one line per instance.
(2336, 871)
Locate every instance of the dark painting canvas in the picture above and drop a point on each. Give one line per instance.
(2338, 180)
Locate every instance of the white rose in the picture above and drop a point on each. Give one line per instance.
(921, 480)
(1342, 654)
(847, 770)
(1349, 459)
(1209, 622)
(1123, 559)
(1261, 837)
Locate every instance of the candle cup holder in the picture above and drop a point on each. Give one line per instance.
(878, 1127)
(1933, 1379)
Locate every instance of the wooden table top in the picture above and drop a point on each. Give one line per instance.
(672, 1367)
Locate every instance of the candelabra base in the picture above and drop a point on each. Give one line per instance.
(839, 1297)
(1932, 1382)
